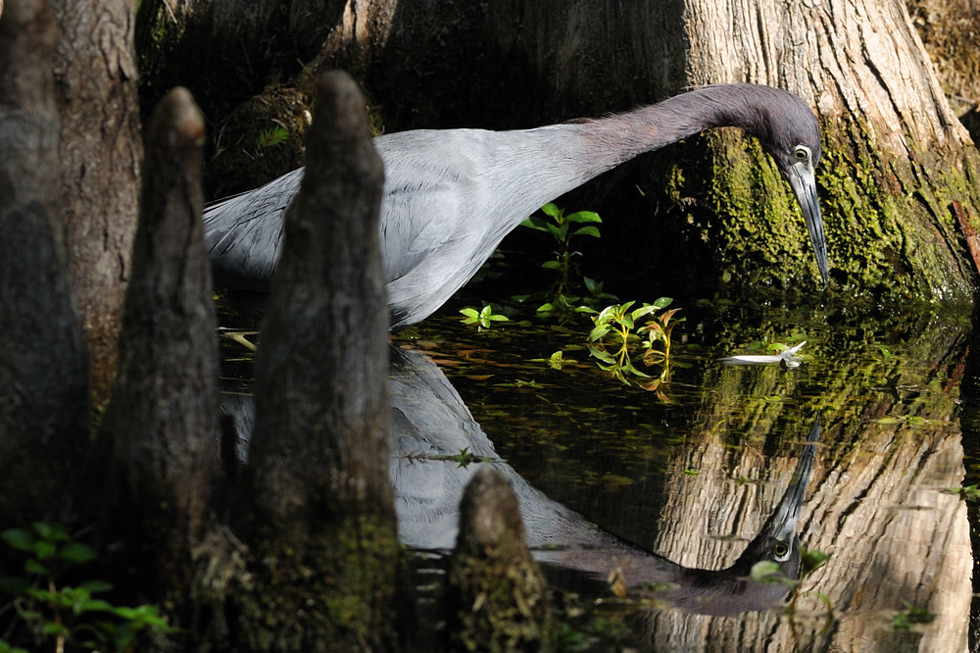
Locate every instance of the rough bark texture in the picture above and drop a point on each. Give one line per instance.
(99, 154)
(322, 531)
(43, 365)
(496, 596)
(161, 427)
(949, 34)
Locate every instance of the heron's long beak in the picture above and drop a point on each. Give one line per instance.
(784, 521)
(804, 184)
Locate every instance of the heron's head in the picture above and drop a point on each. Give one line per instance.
(790, 133)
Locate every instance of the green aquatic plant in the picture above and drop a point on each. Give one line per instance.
(621, 332)
(483, 317)
(43, 610)
(562, 300)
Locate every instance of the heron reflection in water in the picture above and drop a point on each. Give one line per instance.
(451, 195)
(430, 418)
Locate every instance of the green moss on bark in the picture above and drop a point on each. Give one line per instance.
(891, 228)
(333, 590)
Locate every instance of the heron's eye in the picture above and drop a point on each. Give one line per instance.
(780, 549)
(801, 152)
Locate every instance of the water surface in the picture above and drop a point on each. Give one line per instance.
(692, 475)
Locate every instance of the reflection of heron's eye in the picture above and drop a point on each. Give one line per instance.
(780, 549)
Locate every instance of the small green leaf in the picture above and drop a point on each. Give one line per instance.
(584, 216)
(53, 628)
(646, 309)
(663, 302)
(32, 566)
(96, 586)
(536, 222)
(551, 265)
(93, 605)
(77, 553)
(470, 312)
(19, 539)
(50, 532)
(587, 231)
(603, 356)
(560, 233)
(598, 332)
(44, 549)
(551, 209)
(767, 571)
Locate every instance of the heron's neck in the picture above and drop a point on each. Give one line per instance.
(652, 127)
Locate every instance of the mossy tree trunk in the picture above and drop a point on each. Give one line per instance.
(899, 173)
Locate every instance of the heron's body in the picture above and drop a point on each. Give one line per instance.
(450, 196)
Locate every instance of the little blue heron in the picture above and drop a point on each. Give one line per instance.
(450, 196)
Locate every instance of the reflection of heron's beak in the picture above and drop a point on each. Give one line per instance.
(784, 521)
(804, 183)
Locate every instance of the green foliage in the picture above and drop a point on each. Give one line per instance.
(70, 615)
(565, 229)
(271, 137)
(483, 317)
(617, 331)
(811, 560)
(970, 493)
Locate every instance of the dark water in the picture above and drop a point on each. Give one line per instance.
(693, 474)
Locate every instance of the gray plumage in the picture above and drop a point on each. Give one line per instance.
(450, 196)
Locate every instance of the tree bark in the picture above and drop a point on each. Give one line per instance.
(99, 155)
(322, 528)
(160, 430)
(43, 364)
(496, 596)
(948, 31)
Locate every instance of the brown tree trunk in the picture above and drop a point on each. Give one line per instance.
(949, 34)
(99, 157)
(160, 430)
(43, 368)
(322, 525)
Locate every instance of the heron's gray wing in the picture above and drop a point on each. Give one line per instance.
(243, 233)
(429, 176)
